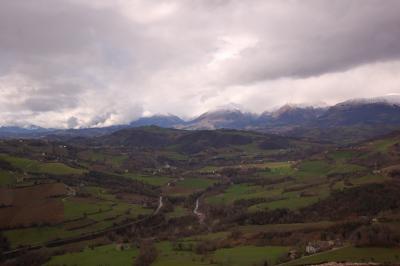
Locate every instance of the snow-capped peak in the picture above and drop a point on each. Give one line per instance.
(392, 99)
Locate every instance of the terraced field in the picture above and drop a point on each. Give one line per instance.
(308, 184)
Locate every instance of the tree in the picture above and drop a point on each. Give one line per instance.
(147, 254)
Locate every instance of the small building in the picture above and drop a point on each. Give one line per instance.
(318, 246)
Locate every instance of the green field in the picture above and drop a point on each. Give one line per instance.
(346, 168)
(210, 236)
(34, 235)
(178, 211)
(169, 257)
(314, 168)
(242, 191)
(342, 155)
(240, 256)
(7, 178)
(58, 169)
(103, 213)
(151, 180)
(98, 192)
(368, 179)
(310, 184)
(129, 210)
(352, 254)
(250, 255)
(278, 169)
(33, 166)
(208, 169)
(22, 163)
(383, 145)
(176, 156)
(75, 209)
(285, 227)
(116, 160)
(267, 169)
(101, 210)
(291, 203)
(91, 155)
(195, 183)
(104, 255)
(37, 235)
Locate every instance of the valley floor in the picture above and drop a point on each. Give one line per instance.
(191, 200)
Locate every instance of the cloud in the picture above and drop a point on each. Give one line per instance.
(71, 63)
(297, 39)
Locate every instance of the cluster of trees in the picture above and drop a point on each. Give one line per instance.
(197, 141)
(366, 200)
(395, 173)
(275, 143)
(276, 216)
(375, 235)
(374, 160)
(5, 165)
(205, 246)
(344, 229)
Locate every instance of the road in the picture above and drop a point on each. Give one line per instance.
(199, 215)
(160, 205)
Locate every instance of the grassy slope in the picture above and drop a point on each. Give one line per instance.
(104, 255)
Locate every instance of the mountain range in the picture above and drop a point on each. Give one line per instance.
(374, 116)
(382, 110)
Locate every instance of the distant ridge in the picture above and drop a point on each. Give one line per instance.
(158, 120)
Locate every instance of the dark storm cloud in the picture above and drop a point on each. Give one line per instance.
(308, 38)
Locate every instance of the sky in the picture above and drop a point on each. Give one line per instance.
(74, 63)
